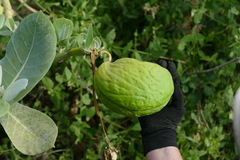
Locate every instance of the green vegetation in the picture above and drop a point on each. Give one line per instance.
(197, 35)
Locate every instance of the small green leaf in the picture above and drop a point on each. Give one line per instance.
(96, 43)
(234, 10)
(68, 73)
(48, 83)
(31, 131)
(85, 99)
(111, 36)
(136, 127)
(10, 23)
(63, 28)
(89, 37)
(81, 39)
(4, 107)
(90, 113)
(14, 89)
(198, 14)
(2, 20)
(0, 75)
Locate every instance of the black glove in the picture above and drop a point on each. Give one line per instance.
(159, 129)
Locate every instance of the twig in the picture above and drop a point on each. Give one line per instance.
(27, 6)
(72, 52)
(115, 124)
(215, 68)
(147, 53)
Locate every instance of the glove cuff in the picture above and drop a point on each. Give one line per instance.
(158, 138)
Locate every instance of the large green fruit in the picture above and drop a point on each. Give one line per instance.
(134, 88)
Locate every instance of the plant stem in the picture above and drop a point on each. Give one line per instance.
(27, 6)
(147, 53)
(215, 68)
(72, 52)
(110, 151)
(109, 55)
(8, 11)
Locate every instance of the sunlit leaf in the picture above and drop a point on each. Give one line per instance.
(4, 107)
(81, 39)
(63, 27)
(2, 20)
(12, 91)
(29, 53)
(31, 131)
(10, 23)
(96, 43)
(0, 75)
(89, 37)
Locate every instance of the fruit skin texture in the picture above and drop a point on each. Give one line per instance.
(133, 88)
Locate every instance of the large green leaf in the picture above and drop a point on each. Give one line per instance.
(31, 131)
(4, 107)
(29, 53)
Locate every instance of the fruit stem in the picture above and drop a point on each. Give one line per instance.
(109, 55)
(110, 151)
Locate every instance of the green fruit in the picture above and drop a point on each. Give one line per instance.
(134, 88)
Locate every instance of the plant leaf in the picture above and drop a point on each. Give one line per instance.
(63, 27)
(29, 53)
(81, 39)
(89, 37)
(0, 75)
(12, 91)
(31, 131)
(4, 107)
(2, 20)
(96, 43)
(10, 24)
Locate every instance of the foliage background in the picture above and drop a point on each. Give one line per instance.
(196, 34)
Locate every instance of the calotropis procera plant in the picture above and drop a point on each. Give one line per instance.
(29, 55)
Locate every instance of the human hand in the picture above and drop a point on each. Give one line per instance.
(159, 129)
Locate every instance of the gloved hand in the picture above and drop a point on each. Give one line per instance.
(159, 129)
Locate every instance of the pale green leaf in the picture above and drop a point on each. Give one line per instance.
(111, 36)
(31, 131)
(81, 39)
(89, 37)
(30, 52)
(68, 73)
(10, 23)
(96, 43)
(63, 27)
(234, 10)
(4, 107)
(0, 75)
(14, 89)
(86, 99)
(2, 20)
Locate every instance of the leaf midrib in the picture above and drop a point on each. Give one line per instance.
(23, 126)
(33, 41)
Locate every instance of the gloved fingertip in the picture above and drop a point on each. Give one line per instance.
(172, 69)
(162, 63)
